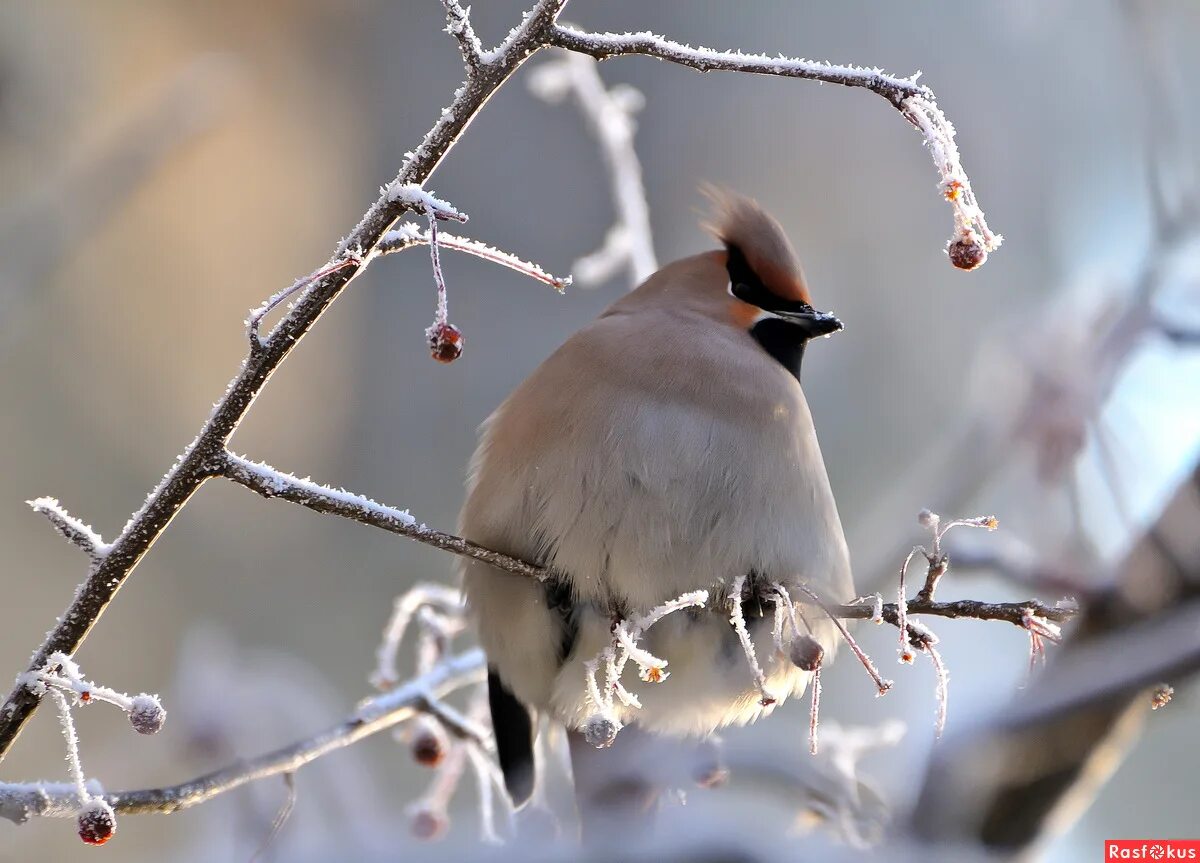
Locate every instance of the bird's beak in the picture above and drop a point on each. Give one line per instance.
(814, 323)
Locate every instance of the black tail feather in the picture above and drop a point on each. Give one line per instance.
(513, 728)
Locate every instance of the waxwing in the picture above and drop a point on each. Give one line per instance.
(664, 448)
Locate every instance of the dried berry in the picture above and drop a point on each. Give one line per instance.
(600, 731)
(428, 743)
(146, 715)
(428, 824)
(97, 823)
(445, 342)
(806, 653)
(966, 253)
(927, 518)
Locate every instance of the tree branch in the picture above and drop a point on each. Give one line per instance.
(194, 465)
(70, 528)
(19, 802)
(269, 482)
(971, 241)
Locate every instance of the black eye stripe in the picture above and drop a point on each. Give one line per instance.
(746, 285)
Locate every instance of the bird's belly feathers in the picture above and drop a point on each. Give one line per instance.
(637, 509)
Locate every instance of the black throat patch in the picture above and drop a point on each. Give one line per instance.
(782, 339)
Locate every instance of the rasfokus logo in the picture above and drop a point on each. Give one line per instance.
(1152, 849)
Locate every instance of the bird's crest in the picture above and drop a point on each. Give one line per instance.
(749, 231)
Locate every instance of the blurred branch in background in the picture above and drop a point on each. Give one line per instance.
(609, 112)
(1033, 769)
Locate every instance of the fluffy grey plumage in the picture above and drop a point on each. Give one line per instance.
(660, 450)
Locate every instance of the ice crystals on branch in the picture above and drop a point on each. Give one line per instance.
(601, 728)
(62, 674)
(414, 197)
(70, 528)
(972, 240)
(1040, 631)
(409, 234)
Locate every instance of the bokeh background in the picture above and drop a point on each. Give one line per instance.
(164, 167)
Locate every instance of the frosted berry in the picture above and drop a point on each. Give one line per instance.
(966, 253)
(97, 823)
(445, 342)
(146, 715)
(806, 653)
(600, 731)
(428, 824)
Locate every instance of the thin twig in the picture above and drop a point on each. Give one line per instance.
(272, 483)
(971, 240)
(71, 528)
(408, 235)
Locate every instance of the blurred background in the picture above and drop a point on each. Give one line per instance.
(164, 167)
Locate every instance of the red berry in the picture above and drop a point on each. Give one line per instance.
(96, 822)
(445, 342)
(806, 653)
(966, 253)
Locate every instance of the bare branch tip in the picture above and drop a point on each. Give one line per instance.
(70, 528)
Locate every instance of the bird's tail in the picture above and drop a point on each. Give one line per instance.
(513, 728)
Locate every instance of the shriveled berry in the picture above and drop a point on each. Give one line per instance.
(428, 824)
(445, 342)
(600, 731)
(146, 715)
(96, 822)
(966, 253)
(428, 743)
(806, 653)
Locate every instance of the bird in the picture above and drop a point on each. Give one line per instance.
(666, 447)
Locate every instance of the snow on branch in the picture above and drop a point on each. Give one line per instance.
(408, 234)
(972, 239)
(272, 483)
(71, 528)
(20, 801)
(458, 25)
(601, 728)
(609, 113)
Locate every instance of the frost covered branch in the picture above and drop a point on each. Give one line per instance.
(374, 715)
(70, 528)
(408, 235)
(602, 727)
(272, 483)
(458, 25)
(971, 241)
